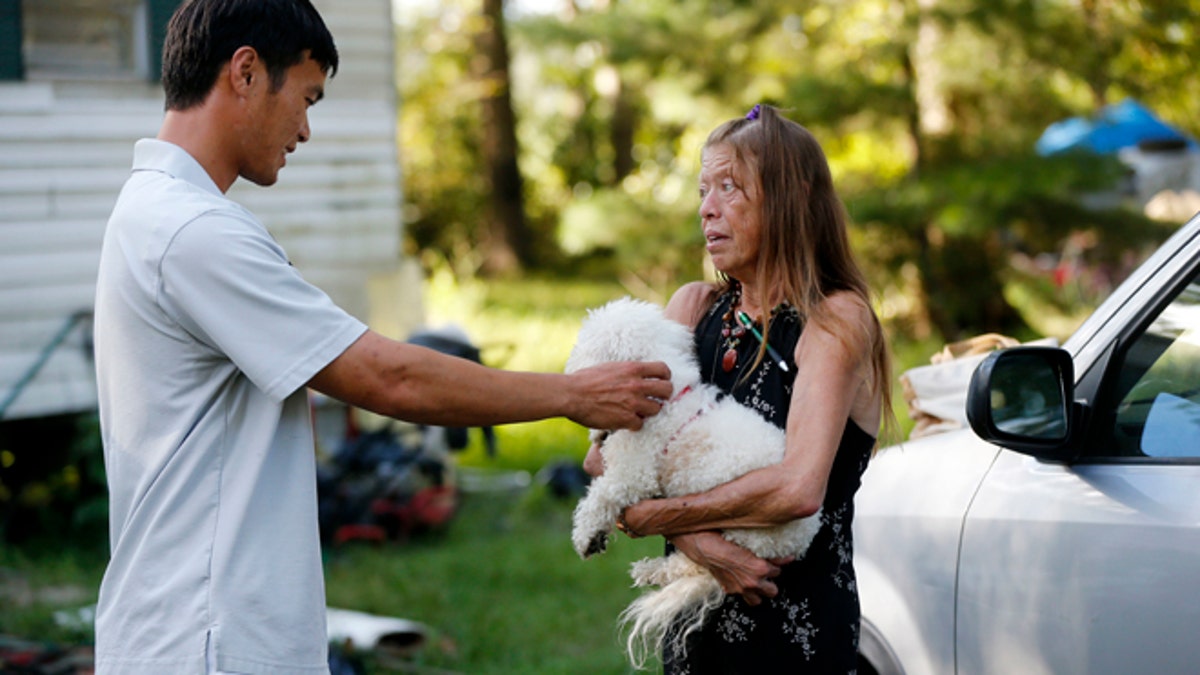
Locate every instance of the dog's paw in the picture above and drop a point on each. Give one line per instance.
(588, 545)
(597, 544)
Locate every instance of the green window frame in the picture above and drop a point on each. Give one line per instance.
(159, 12)
(12, 65)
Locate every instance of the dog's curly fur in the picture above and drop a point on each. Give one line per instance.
(700, 439)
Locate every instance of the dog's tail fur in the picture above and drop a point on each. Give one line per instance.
(663, 619)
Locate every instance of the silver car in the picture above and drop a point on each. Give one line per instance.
(1061, 532)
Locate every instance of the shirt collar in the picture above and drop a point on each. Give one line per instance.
(151, 154)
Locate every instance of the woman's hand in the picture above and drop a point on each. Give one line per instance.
(737, 569)
(593, 464)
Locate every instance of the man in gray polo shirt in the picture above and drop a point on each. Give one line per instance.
(206, 339)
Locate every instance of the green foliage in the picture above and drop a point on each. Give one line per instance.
(36, 581)
(966, 224)
(52, 481)
(528, 324)
(928, 113)
(654, 240)
(444, 177)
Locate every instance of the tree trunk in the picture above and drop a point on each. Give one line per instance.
(624, 124)
(960, 276)
(506, 238)
(960, 280)
(1098, 60)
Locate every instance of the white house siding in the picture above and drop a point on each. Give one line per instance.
(66, 148)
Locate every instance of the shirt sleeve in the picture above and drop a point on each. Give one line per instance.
(231, 286)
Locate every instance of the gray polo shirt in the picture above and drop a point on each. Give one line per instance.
(205, 337)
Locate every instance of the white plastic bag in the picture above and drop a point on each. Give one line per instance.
(937, 394)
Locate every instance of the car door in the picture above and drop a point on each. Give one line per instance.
(1094, 566)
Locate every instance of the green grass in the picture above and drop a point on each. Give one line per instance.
(501, 589)
(37, 581)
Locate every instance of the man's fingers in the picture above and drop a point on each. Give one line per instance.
(655, 379)
(646, 407)
(654, 370)
(660, 389)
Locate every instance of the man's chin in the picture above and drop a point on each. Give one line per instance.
(262, 180)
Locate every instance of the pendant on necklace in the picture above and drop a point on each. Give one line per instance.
(731, 333)
(729, 360)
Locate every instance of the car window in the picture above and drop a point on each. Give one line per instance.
(1153, 409)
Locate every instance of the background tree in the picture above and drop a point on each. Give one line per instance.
(506, 241)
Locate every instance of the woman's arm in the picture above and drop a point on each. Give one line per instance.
(832, 385)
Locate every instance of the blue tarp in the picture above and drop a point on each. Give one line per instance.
(1117, 126)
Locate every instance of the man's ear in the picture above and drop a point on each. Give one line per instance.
(244, 67)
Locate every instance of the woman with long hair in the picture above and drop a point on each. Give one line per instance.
(777, 235)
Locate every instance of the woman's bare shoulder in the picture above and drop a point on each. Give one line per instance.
(843, 321)
(690, 302)
(848, 306)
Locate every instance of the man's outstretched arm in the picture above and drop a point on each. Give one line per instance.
(422, 385)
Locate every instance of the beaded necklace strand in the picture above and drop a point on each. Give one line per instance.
(732, 330)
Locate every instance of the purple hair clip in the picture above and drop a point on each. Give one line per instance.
(753, 114)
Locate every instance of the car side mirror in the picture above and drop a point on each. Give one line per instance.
(1022, 398)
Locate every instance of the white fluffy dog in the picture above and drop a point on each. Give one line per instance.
(700, 439)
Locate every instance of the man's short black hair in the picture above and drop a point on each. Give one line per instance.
(203, 35)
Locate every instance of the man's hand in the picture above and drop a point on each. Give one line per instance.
(618, 395)
(738, 570)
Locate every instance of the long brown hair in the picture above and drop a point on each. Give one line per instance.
(804, 251)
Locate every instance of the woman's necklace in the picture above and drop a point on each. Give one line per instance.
(731, 331)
